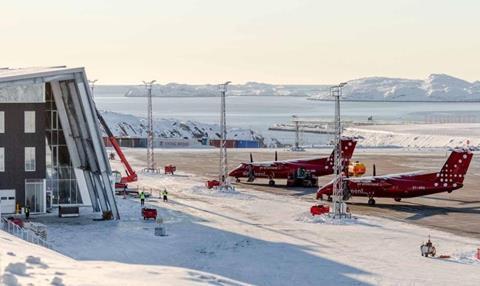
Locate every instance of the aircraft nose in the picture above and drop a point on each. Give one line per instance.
(325, 190)
(236, 172)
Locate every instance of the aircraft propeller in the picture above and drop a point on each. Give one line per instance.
(276, 156)
(374, 170)
(251, 158)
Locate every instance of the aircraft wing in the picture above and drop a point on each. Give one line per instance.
(261, 164)
(401, 175)
(389, 176)
(297, 163)
(386, 177)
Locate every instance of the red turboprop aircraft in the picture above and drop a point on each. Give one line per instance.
(301, 172)
(407, 185)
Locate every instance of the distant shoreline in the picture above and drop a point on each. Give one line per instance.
(396, 101)
(309, 98)
(181, 96)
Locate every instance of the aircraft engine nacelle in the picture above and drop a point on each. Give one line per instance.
(356, 169)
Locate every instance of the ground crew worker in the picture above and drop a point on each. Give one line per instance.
(27, 212)
(142, 198)
(165, 193)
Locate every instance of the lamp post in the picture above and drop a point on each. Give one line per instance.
(339, 207)
(92, 86)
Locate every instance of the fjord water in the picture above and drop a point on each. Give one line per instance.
(260, 112)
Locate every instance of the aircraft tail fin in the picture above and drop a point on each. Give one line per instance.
(454, 170)
(348, 146)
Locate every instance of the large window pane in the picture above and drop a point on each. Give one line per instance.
(2, 159)
(30, 163)
(2, 122)
(29, 121)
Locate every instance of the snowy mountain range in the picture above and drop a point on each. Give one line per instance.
(437, 87)
(248, 89)
(126, 125)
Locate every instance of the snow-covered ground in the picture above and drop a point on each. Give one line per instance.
(241, 237)
(22, 263)
(418, 135)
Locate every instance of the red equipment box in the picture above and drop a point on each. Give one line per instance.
(212, 183)
(149, 213)
(319, 209)
(16, 220)
(170, 169)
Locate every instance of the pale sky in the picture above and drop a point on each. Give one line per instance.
(274, 41)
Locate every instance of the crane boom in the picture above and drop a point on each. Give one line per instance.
(131, 175)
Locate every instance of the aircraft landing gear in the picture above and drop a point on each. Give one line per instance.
(371, 202)
(237, 180)
(271, 182)
(329, 198)
(398, 199)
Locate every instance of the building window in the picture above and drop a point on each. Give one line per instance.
(2, 122)
(30, 159)
(2, 159)
(29, 121)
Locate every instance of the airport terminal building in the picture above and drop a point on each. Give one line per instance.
(51, 149)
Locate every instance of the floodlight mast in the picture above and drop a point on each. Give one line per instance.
(150, 149)
(223, 174)
(339, 207)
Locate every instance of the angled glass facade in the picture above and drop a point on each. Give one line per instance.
(61, 181)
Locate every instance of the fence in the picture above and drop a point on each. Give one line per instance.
(234, 143)
(25, 234)
(451, 118)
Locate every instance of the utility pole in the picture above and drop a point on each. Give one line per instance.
(339, 206)
(223, 174)
(92, 86)
(150, 149)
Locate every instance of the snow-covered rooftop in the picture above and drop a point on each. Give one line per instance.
(13, 74)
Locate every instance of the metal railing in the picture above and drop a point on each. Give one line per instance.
(25, 234)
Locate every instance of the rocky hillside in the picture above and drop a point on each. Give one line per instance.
(123, 125)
